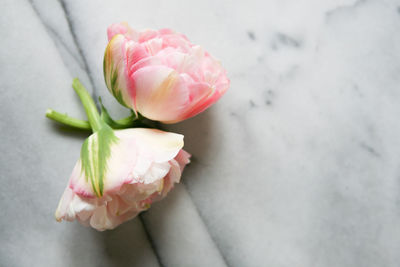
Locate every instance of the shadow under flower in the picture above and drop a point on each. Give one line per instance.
(127, 245)
(66, 131)
(199, 133)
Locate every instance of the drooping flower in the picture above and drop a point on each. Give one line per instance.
(119, 174)
(160, 74)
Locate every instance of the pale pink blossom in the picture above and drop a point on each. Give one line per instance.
(142, 167)
(161, 74)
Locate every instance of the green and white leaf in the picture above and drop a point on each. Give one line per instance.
(114, 70)
(95, 153)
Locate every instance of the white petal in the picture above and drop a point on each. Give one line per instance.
(64, 204)
(161, 146)
(100, 219)
(156, 172)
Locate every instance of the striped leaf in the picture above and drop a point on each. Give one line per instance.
(114, 69)
(95, 153)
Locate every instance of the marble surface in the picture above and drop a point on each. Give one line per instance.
(297, 165)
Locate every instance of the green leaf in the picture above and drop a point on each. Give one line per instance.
(95, 153)
(111, 71)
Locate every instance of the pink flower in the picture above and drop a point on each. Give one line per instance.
(160, 74)
(119, 174)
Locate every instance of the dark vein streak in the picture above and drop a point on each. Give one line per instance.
(370, 149)
(224, 259)
(356, 4)
(74, 37)
(56, 37)
(151, 241)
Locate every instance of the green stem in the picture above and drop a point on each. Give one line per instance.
(65, 119)
(123, 123)
(119, 124)
(89, 105)
(126, 122)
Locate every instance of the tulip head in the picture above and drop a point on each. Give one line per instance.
(119, 174)
(161, 74)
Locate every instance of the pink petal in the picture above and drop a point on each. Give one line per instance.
(78, 182)
(147, 35)
(183, 158)
(64, 203)
(116, 70)
(145, 62)
(122, 28)
(101, 220)
(161, 93)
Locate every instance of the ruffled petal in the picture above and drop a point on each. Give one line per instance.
(161, 93)
(101, 220)
(146, 35)
(145, 62)
(122, 28)
(140, 168)
(116, 71)
(183, 158)
(63, 205)
(159, 145)
(78, 183)
(157, 171)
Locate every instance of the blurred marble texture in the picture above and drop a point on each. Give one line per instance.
(297, 165)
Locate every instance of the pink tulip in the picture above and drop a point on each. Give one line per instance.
(120, 173)
(160, 74)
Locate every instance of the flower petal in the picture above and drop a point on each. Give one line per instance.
(122, 28)
(161, 93)
(116, 71)
(63, 205)
(78, 183)
(161, 146)
(101, 220)
(183, 158)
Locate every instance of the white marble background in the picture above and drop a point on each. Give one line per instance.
(297, 165)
